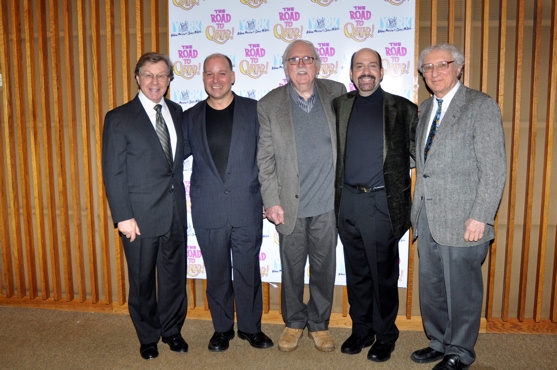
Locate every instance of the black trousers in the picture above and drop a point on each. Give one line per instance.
(157, 274)
(372, 263)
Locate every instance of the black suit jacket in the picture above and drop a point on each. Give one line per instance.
(237, 200)
(139, 182)
(400, 117)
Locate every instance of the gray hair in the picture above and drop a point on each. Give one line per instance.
(291, 45)
(457, 55)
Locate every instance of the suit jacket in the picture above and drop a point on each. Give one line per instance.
(138, 180)
(400, 117)
(237, 200)
(464, 175)
(277, 156)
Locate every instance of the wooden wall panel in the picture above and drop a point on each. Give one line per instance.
(59, 246)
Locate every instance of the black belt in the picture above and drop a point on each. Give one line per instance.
(366, 190)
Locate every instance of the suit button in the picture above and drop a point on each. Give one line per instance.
(226, 191)
(296, 196)
(426, 176)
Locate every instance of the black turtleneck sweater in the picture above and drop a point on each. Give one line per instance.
(363, 164)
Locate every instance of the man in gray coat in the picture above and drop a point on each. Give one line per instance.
(296, 159)
(460, 163)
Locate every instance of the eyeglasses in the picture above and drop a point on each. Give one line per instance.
(296, 60)
(441, 66)
(149, 76)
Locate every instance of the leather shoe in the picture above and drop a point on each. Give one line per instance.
(176, 343)
(257, 340)
(425, 355)
(380, 351)
(220, 340)
(149, 351)
(355, 343)
(450, 362)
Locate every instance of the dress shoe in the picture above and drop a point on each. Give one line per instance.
(323, 340)
(355, 343)
(149, 351)
(257, 340)
(220, 340)
(288, 341)
(176, 343)
(450, 362)
(380, 351)
(425, 355)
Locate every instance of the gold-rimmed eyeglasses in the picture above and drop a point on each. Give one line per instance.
(148, 76)
(441, 66)
(296, 60)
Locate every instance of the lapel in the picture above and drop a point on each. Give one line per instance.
(176, 114)
(389, 121)
(199, 135)
(239, 129)
(285, 121)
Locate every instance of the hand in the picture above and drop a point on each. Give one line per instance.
(275, 214)
(129, 229)
(474, 230)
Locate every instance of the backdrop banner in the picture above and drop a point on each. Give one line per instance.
(254, 34)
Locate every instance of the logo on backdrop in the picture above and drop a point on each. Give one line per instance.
(396, 62)
(217, 32)
(186, 97)
(185, 4)
(396, 2)
(394, 24)
(328, 67)
(323, 24)
(357, 29)
(287, 31)
(252, 67)
(195, 261)
(253, 26)
(323, 2)
(185, 28)
(185, 67)
(253, 3)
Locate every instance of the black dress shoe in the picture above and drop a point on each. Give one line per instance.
(176, 343)
(149, 351)
(257, 340)
(380, 351)
(425, 355)
(355, 343)
(450, 362)
(220, 340)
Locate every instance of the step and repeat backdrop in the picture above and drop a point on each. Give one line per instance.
(254, 34)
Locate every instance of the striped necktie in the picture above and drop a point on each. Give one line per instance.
(164, 136)
(433, 129)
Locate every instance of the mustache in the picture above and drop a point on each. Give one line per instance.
(367, 76)
(302, 70)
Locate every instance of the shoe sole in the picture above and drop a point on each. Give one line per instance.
(287, 349)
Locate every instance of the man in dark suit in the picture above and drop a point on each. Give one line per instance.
(296, 158)
(221, 133)
(142, 170)
(375, 137)
(461, 167)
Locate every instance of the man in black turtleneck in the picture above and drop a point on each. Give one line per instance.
(375, 141)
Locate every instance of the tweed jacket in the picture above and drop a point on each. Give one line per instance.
(277, 156)
(400, 117)
(464, 175)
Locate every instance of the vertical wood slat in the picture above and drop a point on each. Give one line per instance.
(550, 128)
(530, 171)
(500, 100)
(154, 12)
(60, 146)
(47, 153)
(6, 161)
(126, 74)
(467, 39)
(12, 149)
(451, 23)
(97, 109)
(35, 165)
(433, 22)
(73, 144)
(139, 27)
(85, 139)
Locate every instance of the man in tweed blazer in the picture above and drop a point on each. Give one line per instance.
(459, 184)
(296, 158)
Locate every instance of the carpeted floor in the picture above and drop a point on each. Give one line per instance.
(46, 339)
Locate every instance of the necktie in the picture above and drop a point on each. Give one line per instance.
(433, 129)
(164, 136)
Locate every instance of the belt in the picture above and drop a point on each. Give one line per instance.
(366, 190)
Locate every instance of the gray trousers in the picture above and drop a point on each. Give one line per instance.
(451, 293)
(316, 238)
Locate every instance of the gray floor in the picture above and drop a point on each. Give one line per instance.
(46, 339)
